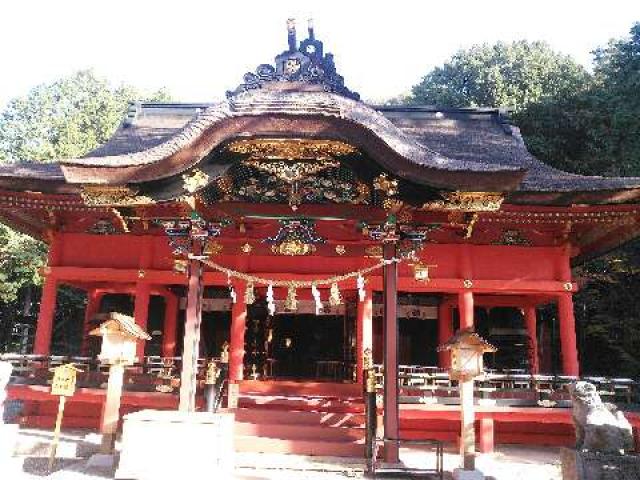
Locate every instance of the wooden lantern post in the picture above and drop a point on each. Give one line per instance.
(466, 349)
(120, 335)
(63, 385)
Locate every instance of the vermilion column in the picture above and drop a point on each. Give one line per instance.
(390, 326)
(238, 326)
(465, 307)
(93, 307)
(46, 315)
(141, 313)
(364, 331)
(170, 326)
(568, 345)
(530, 322)
(44, 328)
(445, 332)
(191, 343)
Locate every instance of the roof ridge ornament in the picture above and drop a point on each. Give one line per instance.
(304, 63)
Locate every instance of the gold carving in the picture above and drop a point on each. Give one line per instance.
(246, 248)
(213, 248)
(293, 248)
(386, 185)
(340, 249)
(291, 148)
(195, 180)
(112, 195)
(374, 251)
(292, 171)
(467, 202)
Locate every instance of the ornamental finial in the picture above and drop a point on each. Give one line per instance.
(310, 27)
(291, 31)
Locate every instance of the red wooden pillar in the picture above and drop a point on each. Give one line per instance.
(531, 325)
(238, 327)
(46, 315)
(170, 326)
(191, 346)
(465, 307)
(568, 345)
(94, 298)
(44, 328)
(390, 325)
(445, 332)
(364, 331)
(141, 313)
(485, 430)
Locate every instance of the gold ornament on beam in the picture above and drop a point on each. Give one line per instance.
(213, 248)
(467, 202)
(246, 248)
(113, 196)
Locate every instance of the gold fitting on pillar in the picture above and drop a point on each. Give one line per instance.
(371, 380)
(466, 283)
(568, 286)
(141, 273)
(367, 359)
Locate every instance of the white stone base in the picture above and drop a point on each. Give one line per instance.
(159, 445)
(460, 474)
(8, 440)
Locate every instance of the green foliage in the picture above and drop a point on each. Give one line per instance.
(64, 119)
(581, 123)
(502, 75)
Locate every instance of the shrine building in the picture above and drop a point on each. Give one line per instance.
(306, 227)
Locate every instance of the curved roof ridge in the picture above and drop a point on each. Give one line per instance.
(259, 102)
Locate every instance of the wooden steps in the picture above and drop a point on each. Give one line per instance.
(303, 418)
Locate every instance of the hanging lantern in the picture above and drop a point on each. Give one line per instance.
(421, 272)
(271, 305)
(316, 298)
(291, 303)
(334, 295)
(360, 285)
(249, 294)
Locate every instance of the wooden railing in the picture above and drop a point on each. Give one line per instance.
(420, 384)
(152, 374)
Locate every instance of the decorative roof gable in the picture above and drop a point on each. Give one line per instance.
(305, 63)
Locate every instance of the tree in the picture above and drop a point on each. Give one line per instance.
(64, 119)
(510, 75)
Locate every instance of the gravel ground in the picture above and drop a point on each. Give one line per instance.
(507, 463)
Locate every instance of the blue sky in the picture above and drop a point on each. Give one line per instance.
(199, 49)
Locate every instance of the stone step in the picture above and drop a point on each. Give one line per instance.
(299, 432)
(299, 446)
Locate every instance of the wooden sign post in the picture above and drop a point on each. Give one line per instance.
(120, 335)
(63, 385)
(466, 349)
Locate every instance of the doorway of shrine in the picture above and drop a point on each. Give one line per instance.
(305, 347)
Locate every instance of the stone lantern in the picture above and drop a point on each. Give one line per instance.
(467, 348)
(120, 334)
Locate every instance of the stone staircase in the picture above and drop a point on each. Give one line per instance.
(304, 418)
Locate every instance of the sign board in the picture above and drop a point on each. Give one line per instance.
(64, 380)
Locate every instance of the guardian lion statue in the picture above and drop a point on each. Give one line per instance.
(600, 427)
